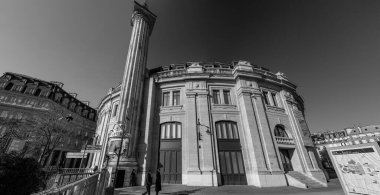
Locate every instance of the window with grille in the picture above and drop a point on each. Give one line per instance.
(115, 110)
(176, 98)
(227, 97)
(226, 130)
(266, 100)
(216, 96)
(274, 99)
(171, 130)
(165, 98)
(270, 98)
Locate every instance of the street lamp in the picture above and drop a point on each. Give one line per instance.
(209, 132)
(120, 125)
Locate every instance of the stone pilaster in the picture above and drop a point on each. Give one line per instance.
(303, 154)
(192, 152)
(261, 161)
(266, 135)
(200, 152)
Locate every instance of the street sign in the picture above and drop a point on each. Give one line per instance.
(75, 155)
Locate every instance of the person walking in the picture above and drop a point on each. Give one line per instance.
(148, 182)
(133, 178)
(158, 181)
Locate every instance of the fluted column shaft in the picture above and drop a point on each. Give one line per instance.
(133, 80)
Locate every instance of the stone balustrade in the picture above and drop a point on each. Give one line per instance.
(171, 73)
(218, 71)
(285, 140)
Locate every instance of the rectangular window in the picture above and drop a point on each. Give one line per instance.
(265, 94)
(274, 99)
(176, 98)
(216, 96)
(227, 97)
(115, 110)
(165, 98)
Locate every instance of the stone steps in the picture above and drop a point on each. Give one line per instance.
(307, 181)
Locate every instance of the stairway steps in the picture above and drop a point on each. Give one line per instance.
(309, 182)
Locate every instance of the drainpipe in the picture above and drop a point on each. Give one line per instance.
(198, 132)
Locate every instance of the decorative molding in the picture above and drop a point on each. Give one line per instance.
(171, 108)
(223, 107)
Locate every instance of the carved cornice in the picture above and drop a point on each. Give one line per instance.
(274, 109)
(171, 108)
(223, 107)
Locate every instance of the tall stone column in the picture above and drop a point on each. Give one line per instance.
(131, 90)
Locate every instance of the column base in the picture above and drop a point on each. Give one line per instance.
(200, 178)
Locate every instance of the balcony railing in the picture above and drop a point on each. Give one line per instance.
(285, 140)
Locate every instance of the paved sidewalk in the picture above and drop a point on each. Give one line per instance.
(333, 189)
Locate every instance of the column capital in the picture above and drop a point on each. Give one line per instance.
(140, 11)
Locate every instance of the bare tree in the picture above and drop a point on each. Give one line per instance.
(44, 132)
(13, 128)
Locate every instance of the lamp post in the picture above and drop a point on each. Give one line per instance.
(209, 132)
(120, 125)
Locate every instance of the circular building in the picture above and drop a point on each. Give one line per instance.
(211, 124)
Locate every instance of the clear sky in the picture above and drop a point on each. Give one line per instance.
(330, 49)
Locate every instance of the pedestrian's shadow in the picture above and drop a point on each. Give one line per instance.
(184, 192)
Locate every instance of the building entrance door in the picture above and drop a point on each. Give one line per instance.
(231, 168)
(120, 178)
(286, 159)
(232, 171)
(170, 154)
(172, 166)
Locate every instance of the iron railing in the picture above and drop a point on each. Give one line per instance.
(90, 184)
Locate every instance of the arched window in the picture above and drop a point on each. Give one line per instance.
(9, 86)
(85, 113)
(171, 130)
(72, 106)
(92, 115)
(279, 131)
(226, 130)
(57, 97)
(38, 92)
(78, 109)
(65, 102)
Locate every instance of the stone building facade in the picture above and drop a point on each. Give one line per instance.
(25, 98)
(204, 124)
(215, 124)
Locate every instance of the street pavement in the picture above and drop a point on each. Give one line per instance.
(334, 188)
